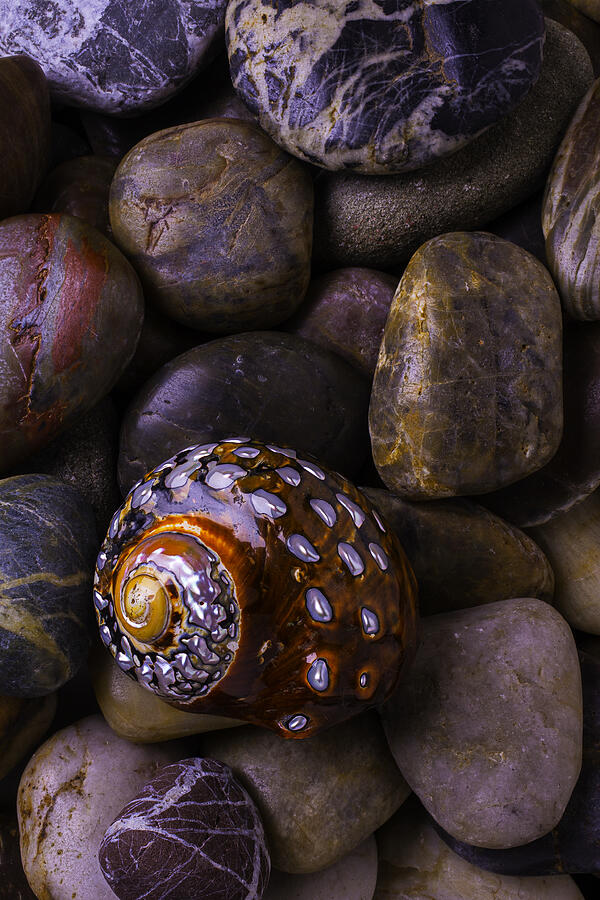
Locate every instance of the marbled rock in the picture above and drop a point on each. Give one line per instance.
(112, 56)
(139, 715)
(48, 543)
(591, 8)
(192, 831)
(462, 555)
(13, 884)
(381, 87)
(79, 187)
(308, 792)
(487, 727)
(271, 386)
(380, 221)
(187, 205)
(353, 877)
(71, 311)
(70, 792)
(24, 132)
(414, 864)
(467, 394)
(345, 311)
(574, 470)
(571, 544)
(570, 220)
(22, 724)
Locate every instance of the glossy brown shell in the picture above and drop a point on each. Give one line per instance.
(321, 615)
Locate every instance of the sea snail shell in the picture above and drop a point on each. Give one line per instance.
(240, 579)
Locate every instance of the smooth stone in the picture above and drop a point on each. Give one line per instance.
(574, 470)
(570, 221)
(13, 884)
(309, 792)
(24, 132)
(71, 310)
(48, 544)
(70, 792)
(191, 831)
(353, 877)
(381, 88)
(467, 394)
(574, 845)
(115, 58)
(345, 311)
(523, 226)
(186, 207)
(414, 864)
(22, 724)
(590, 8)
(380, 221)
(586, 30)
(139, 715)
(274, 387)
(79, 187)
(487, 728)
(571, 543)
(463, 555)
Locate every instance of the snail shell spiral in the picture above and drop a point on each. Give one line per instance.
(238, 578)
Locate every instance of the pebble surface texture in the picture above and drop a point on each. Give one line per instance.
(71, 790)
(487, 728)
(271, 386)
(414, 863)
(320, 798)
(217, 220)
(467, 394)
(110, 55)
(463, 555)
(47, 546)
(353, 877)
(570, 217)
(71, 310)
(192, 831)
(380, 221)
(378, 87)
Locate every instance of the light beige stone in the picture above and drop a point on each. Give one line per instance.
(353, 877)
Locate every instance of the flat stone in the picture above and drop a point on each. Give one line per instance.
(569, 219)
(380, 221)
(487, 727)
(116, 58)
(462, 555)
(353, 877)
(587, 31)
(381, 88)
(308, 792)
(414, 863)
(70, 792)
(467, 394)
(22, 724)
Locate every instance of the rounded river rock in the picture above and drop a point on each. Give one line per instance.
(217, 220)
(487, 727)
(467, 394)
(192, 831)
(381, 87)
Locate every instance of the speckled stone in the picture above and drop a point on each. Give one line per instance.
(487, 728)
(353, 877)
(139, 715)
(22, 724)
(24, 132)
(345, 311)
(571, 544)
(462, 555)
(309, 792)
(187, 205)
(111, 56)
(70, 792)
(13, 884)
(48, 544)
(380, 221)
(570, 221)
(591, 8)
(467, 394)
(586, 30)
(271, 386)
(192, 831)
(71, 310)
(378, 87)
(414, 864)
(79, 187)
(574, 470)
